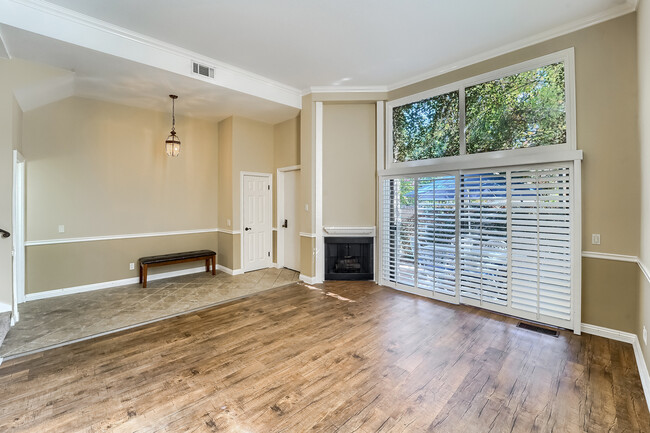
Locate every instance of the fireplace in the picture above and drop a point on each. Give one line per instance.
(348, 258)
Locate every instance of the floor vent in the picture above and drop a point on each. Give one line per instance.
(541, 329)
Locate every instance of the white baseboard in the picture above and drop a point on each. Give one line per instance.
(612, 334)
(643, 369)
(306, 279)
(625, 337)
(109, 284)
(5, 307)
(230, 271)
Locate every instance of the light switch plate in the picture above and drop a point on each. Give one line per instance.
(595, 239)
(61, 228)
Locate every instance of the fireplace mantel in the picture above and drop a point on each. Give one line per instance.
(349, 231)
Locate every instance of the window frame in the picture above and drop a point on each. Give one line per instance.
(557, 152)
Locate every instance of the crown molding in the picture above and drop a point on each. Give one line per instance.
(66, 25)
(624, 8)
(346, 89)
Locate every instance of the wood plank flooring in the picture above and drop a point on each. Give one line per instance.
(345, 357)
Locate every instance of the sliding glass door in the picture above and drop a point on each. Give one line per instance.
(497, 239)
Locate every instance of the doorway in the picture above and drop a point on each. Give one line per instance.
(256, 220)
(287, 207)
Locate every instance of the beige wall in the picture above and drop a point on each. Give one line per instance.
(349, 165)
(643, 34)
(307, 186)
(59, 266)
(100, 169)
(610, 294)
(252, 152)
(15, 74)
(225, 176)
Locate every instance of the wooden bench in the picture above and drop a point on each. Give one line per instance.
(169, 259)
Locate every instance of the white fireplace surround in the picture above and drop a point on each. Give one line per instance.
(350, 231)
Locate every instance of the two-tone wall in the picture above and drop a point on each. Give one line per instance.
(99, 170)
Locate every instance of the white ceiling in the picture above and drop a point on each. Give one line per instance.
(302, 43)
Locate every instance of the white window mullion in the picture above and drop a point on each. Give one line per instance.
(509, 235)
(461, 121)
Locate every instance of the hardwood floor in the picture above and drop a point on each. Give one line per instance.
(349, 357)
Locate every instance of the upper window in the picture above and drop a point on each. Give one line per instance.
(522, 106)
(426, 129)
(521, 110)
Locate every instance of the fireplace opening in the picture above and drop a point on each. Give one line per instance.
(349, 258)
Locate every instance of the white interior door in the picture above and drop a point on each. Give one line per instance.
(290, 222)
(256, 200)
(18, 246)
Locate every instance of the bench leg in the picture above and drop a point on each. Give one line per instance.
(214, 264)
(207, 265)
(144, 276)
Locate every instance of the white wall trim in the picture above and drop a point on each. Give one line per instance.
(230, 271)
(644, 269)
(66, 25)
(643, 369)
(625, 8)
(109, 284)
(4, 308)
(308, 280)
(610, 256)
(126, 236)
(612, 334)
(318, 257)
(350, 231)
(307, 235)
(230, 232)
(5, 53)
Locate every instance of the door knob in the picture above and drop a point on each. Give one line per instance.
(285, 224)
(247, 228)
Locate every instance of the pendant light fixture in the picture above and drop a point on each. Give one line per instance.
(173, 143)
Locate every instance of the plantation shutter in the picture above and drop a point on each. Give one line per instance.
(483, 239)
(398, 255)
(541, 242)
(436, 234)
(498, 239)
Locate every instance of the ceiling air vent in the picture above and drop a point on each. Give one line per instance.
(204, 70)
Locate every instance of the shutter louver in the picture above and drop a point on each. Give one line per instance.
(483, 238)
(436, 234)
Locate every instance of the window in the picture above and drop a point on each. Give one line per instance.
(521, 110)
(426, 129)
(499, 239)
(524, 106)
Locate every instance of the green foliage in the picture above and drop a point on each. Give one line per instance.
(522, 110)
(426, 129)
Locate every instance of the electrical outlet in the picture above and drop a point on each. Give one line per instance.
(306, 208)
(61, 228)
(131, 266)
(228, 223)
(645, 336)
(595, 239)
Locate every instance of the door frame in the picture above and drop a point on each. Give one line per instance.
(18, 227)
(269, 176)
(279, 212)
